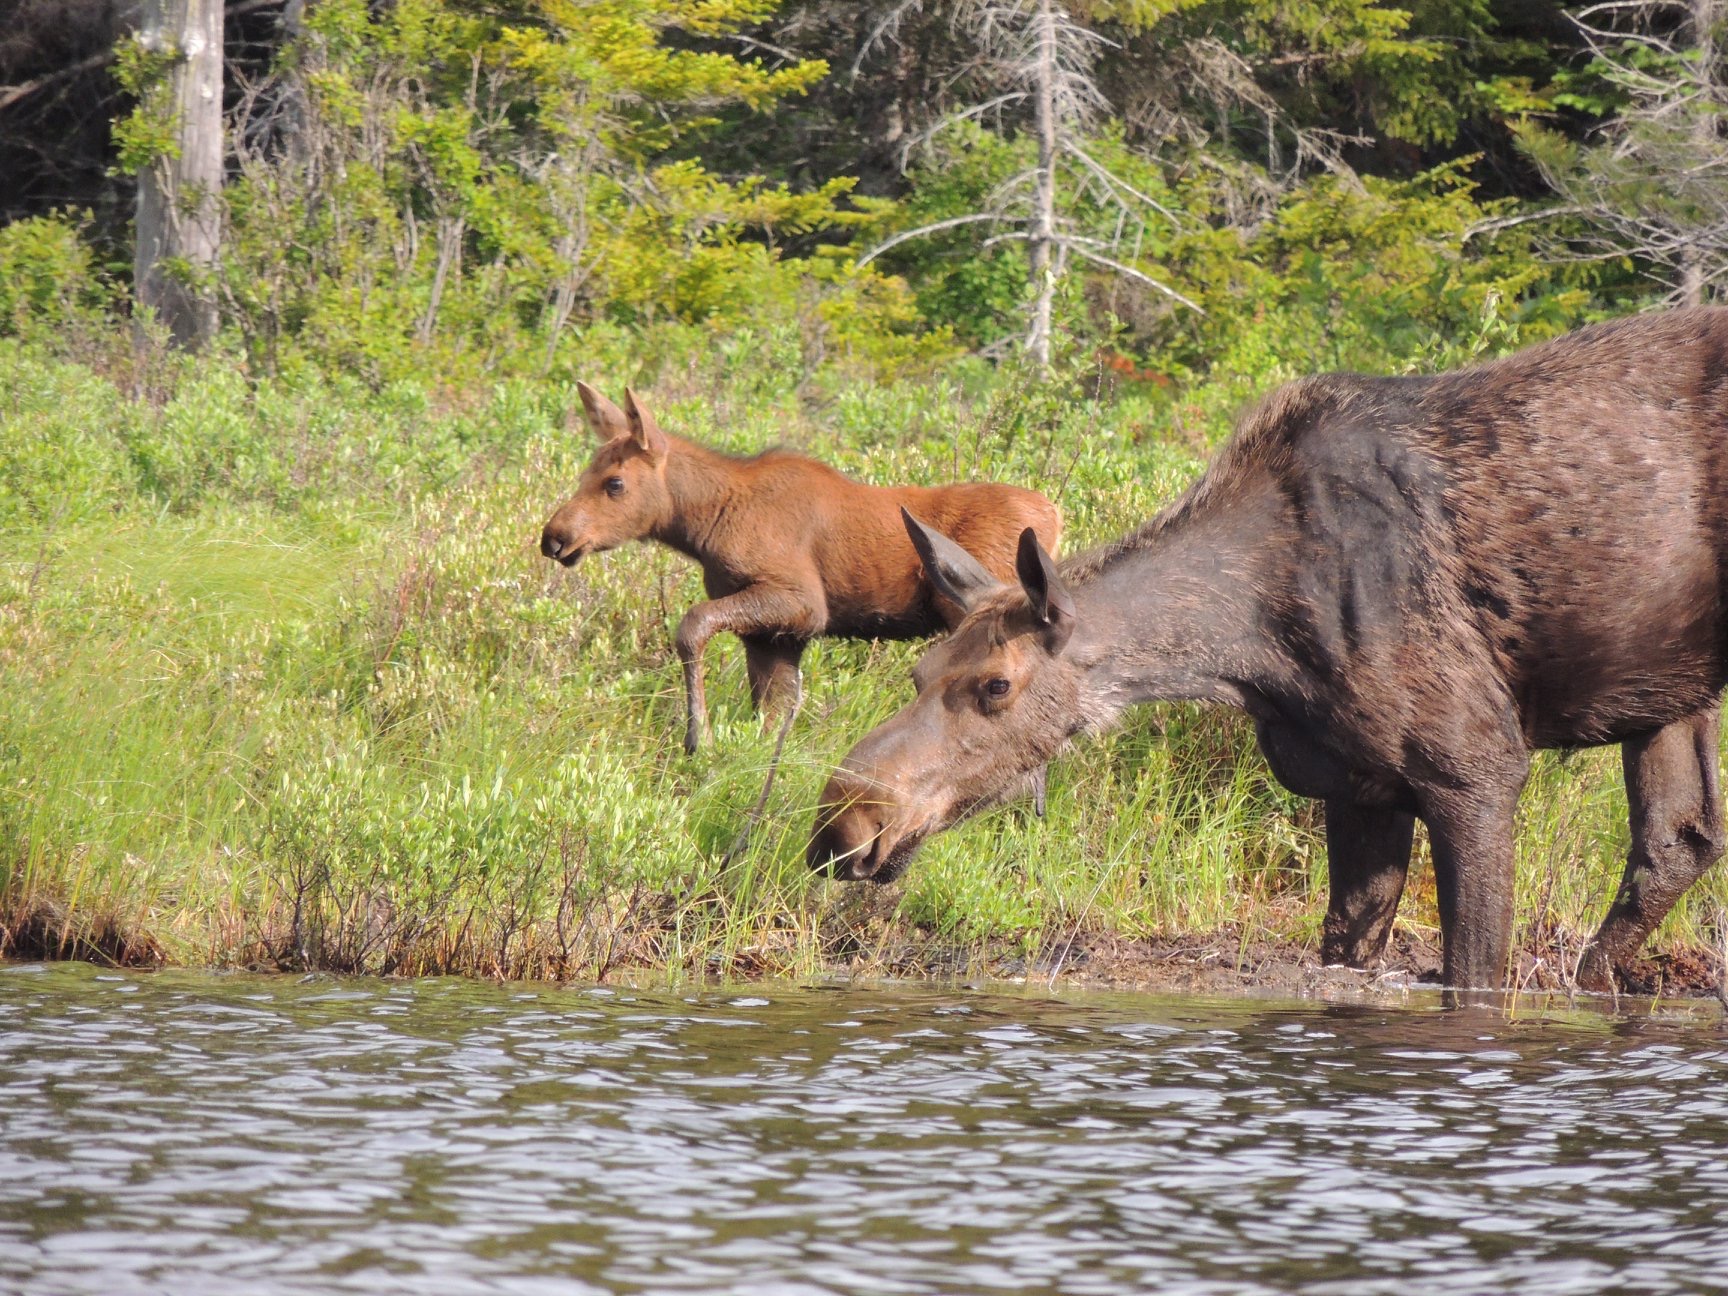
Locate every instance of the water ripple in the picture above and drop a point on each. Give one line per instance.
(242, 1135)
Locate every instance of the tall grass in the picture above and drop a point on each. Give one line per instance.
(284, 681)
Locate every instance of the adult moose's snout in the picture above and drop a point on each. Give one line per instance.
(871, 818)
(848, 832)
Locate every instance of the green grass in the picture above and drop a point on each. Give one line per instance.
(286, 682)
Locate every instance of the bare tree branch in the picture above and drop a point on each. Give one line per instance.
(1132, 273)
(955, 118)
(932, 228)
(1655, 186)
(884, 30)
(1113, 181)
(1497, 223)
(10, 95)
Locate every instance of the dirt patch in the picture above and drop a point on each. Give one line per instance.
(1224, 962)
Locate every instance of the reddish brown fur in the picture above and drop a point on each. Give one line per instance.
(790, 549)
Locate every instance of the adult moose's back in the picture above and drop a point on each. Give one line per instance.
(1409, 584)
(790, 549)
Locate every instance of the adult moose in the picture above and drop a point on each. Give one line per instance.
(1409, 584)
(789, 548)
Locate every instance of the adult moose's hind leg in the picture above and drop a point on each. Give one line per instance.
(1367, 859)
(1675, 798)
(772, 665)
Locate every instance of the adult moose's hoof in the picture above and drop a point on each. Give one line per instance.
(1596, 973)
(1351, 951)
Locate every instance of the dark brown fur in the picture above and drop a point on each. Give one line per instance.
(1409, 584)
(789, 548)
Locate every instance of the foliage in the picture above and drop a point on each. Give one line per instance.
(1649, 188)
(356, 721)
(149, 130)
(351, 719)
(456, 187)
(1365, 272)
(49, 279)
(1371, 277)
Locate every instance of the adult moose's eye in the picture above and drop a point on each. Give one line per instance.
(613, 486)
(998, 688)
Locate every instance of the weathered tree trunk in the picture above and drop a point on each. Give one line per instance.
(1041, 235)
(1706, 16)
(179, 211)
(295, 112)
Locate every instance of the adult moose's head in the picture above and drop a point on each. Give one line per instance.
(622, 494)
(996, 699)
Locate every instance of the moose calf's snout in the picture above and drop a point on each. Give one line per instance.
(558, 544)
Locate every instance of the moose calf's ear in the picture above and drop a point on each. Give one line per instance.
(644, 429)
(955, 574)
(605, 418)
(1052, 604)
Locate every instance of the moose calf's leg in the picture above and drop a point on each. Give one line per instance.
(1368, 859)
(772, 665)
(758, 610)
(1673, 792)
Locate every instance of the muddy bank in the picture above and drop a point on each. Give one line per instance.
(1222, 963)
(865, 941)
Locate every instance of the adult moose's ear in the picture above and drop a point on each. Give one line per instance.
(604, 417)
(643, 429)
(955, 574)
(1052, 604)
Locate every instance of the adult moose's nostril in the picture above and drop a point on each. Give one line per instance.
(844, 842)
(863, 863)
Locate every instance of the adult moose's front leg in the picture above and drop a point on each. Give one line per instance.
(1673, 792)
(758, 610)
(1367, 860)
(1470, 829)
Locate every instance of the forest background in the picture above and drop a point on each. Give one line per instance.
(284, 679)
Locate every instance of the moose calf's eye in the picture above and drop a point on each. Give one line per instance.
(613, 486)
(997, 688)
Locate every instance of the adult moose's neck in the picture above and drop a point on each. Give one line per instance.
(700, 485)
(1172, 613)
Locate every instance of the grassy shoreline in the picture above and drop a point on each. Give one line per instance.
(286, 684)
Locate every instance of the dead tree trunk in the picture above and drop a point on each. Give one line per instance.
(179, 212)
(1041, 230)
(1705, 17)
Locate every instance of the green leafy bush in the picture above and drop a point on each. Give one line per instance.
(49, 280)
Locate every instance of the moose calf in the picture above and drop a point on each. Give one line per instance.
(789, 548)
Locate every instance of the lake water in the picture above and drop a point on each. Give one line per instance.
(225, 1134)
